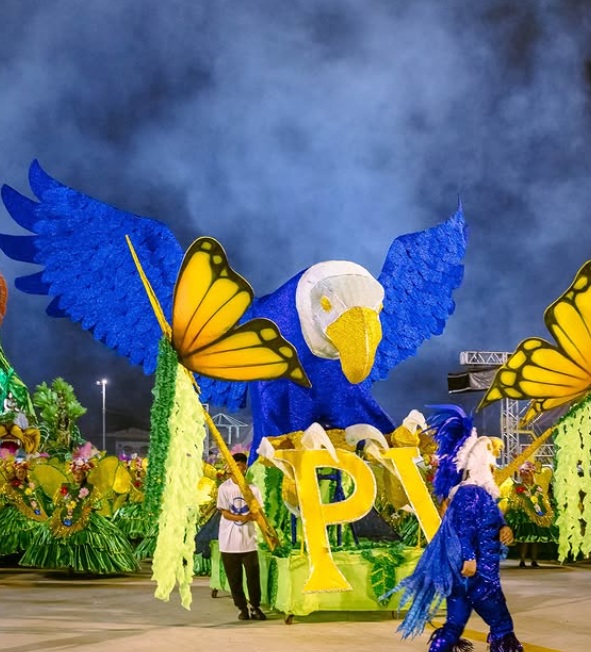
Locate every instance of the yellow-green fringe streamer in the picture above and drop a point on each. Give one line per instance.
(164, 392)
(175, 546)
(572, 481)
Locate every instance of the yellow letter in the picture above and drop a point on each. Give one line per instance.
(324, 574)
(416, 490)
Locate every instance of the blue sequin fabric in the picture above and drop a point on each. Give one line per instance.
(477, 519)
(469, 530)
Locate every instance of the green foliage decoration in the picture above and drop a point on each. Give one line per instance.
(59, 410)
(384, 561)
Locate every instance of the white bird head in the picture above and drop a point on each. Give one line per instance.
(338, 304)
(477, 459)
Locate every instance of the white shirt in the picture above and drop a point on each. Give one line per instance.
(234, 536)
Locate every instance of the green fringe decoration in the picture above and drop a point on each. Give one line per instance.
(164, 391)
(201, 565)
(275, 509)
(273, 477)
(145, 548)
(526, 531)
(17, 531)
(133, 521)
(222, 574)
(256, 475)
(408, 529)
(572, 481)
(269, 480)
(384, 561)
(175, 546)
(100, 548)
(273, 581)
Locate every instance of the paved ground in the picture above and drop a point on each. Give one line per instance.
(48, 612)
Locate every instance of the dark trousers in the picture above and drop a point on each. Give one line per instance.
(233, 563)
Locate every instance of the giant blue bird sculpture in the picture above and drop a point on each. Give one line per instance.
(349, 328)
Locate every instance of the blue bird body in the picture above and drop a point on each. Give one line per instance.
(281, 407)
(87, 269)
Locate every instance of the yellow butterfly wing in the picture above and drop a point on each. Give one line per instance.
(548, 375)
(49, 477)
(544, 478)
(103, 475)
(208, 302)
(122, 482)
(569, 319)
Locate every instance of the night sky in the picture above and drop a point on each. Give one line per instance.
(302, 131)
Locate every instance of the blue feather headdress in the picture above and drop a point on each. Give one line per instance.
(451, 427)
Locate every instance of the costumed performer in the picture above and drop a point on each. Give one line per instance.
(130, 517)
(530, 514)
(238, 545)
(461, 564)
(25, 508)
(77, 537)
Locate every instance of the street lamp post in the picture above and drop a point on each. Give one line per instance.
(103, 383)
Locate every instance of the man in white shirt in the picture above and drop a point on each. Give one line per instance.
(238, 546)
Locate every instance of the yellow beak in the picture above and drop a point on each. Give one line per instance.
(356, 335)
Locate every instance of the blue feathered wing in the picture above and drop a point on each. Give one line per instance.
(419, 275)
(433, 579)
(88, 270)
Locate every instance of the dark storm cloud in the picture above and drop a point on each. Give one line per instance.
(303, 131)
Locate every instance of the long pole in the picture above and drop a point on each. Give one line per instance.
(266, 528)
(502, 474)
(103, 384)
(104, 415)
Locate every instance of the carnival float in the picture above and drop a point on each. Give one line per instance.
(347, 492)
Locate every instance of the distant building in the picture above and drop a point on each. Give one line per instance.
(135, 440)
(128, 441)
(232, 430)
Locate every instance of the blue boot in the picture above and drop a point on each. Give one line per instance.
(507, 643)
(443, 640)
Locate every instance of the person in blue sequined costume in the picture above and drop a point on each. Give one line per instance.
(462, 562)
(481, 530)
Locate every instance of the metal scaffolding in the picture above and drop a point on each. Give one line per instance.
(511, 411)
(484, 358)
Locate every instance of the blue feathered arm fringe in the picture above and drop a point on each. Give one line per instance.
(432, 580)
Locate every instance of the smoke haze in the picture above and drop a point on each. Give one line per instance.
(306, 131)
